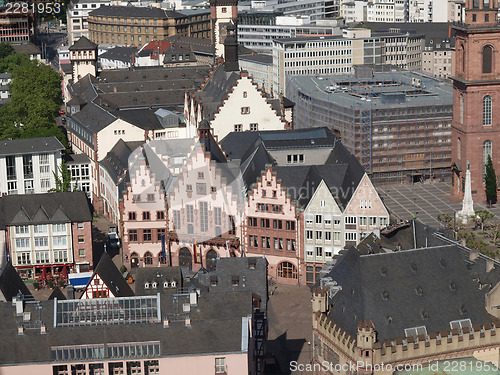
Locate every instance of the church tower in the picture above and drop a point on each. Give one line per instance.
(476, 96)
(223, 13)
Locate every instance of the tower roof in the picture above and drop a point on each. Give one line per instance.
(83, 44)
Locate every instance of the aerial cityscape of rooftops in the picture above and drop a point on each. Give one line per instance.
(254, 187)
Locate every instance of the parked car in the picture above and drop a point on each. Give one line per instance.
(62, 112)
(114, 240)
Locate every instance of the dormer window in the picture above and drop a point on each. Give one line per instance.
(146, 285)
(155, 285)
(173, 284)
(165, 284)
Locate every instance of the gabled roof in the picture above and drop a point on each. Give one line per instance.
(26, 47)
(116, 160)
(143, 118)
(11, 283)
(30, 146)
(93, 118)
(155, 46)
(123, 54)
(111, 276)
(83, 44)
(28, 209)
(216, 90)
(424, 287)
(57, 293)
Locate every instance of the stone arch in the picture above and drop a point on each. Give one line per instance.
(134, 260)
(185, 258)
(211, 259)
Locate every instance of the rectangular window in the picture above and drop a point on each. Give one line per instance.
(81, 239)
(328, 236)
(151, 197)
(81, 253)
(203, 216)
(159, 233)
(245, 110)
(28, 187)
(319, 251)
(309, 235)
(350, 236)
(177, 220)
(336, 237)
(12, 187)
(27, 166)
(220, 365)
(132, 235)
(383, 221)
(319, 219)
(319, 235)
(22, 229)
(350, 220)
(80, 226)
(362, 220)
(254, 127)
(190, 213)
(238, 128)
(218, 216)
(10, 161)
(373, 221)
(146, 235)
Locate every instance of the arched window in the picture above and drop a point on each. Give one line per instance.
(459, 149)
(287, 270)
(461, 109)
(487, 59)
(463, 57)
(185, 258)
(161, 258)
(487, 110)
(211, 260)
(134, 260)
(148, 258)
(487, 149)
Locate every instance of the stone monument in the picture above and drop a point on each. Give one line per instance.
(467, 211)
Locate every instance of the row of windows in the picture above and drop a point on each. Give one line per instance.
(276, 224)
(147, 235)
(278, 243)
(146, 215)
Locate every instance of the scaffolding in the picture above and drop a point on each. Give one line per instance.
(397, 124)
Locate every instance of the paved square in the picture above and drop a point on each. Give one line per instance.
(427, 200)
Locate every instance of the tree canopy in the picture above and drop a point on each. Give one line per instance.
(35, 98)
(490, 180)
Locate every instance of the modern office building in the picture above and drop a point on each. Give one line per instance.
(397, 123)
(77, 14)
(16, 26)
(29, 166)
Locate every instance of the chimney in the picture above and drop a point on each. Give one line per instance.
(166, 323)
(490, 264)
(19, 307)
(43, 329)
(473, 254)
(20, 330)
(188, 321)
(231, 50)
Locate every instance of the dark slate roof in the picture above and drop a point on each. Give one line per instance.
(27, 47)
(111, 276)
(30, 146)
(116, 160)
(198, 45)
(258, 57)
(425, 287)
(124, 54)
(143, 118)
(93, 117)
(134, 12)
(251, 274)
(83, 91)
(83, 44)
(11, 283)
(57, 293)
(67, 68)
(341, 171)
(76, 158)
(27, 209)
(216, 327)
(160, 275)
(216, 90)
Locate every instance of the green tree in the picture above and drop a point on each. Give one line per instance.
(5, 50)
(490, 182)
(34, 103)
(10, 62)
(63, 181)
(484, 216)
